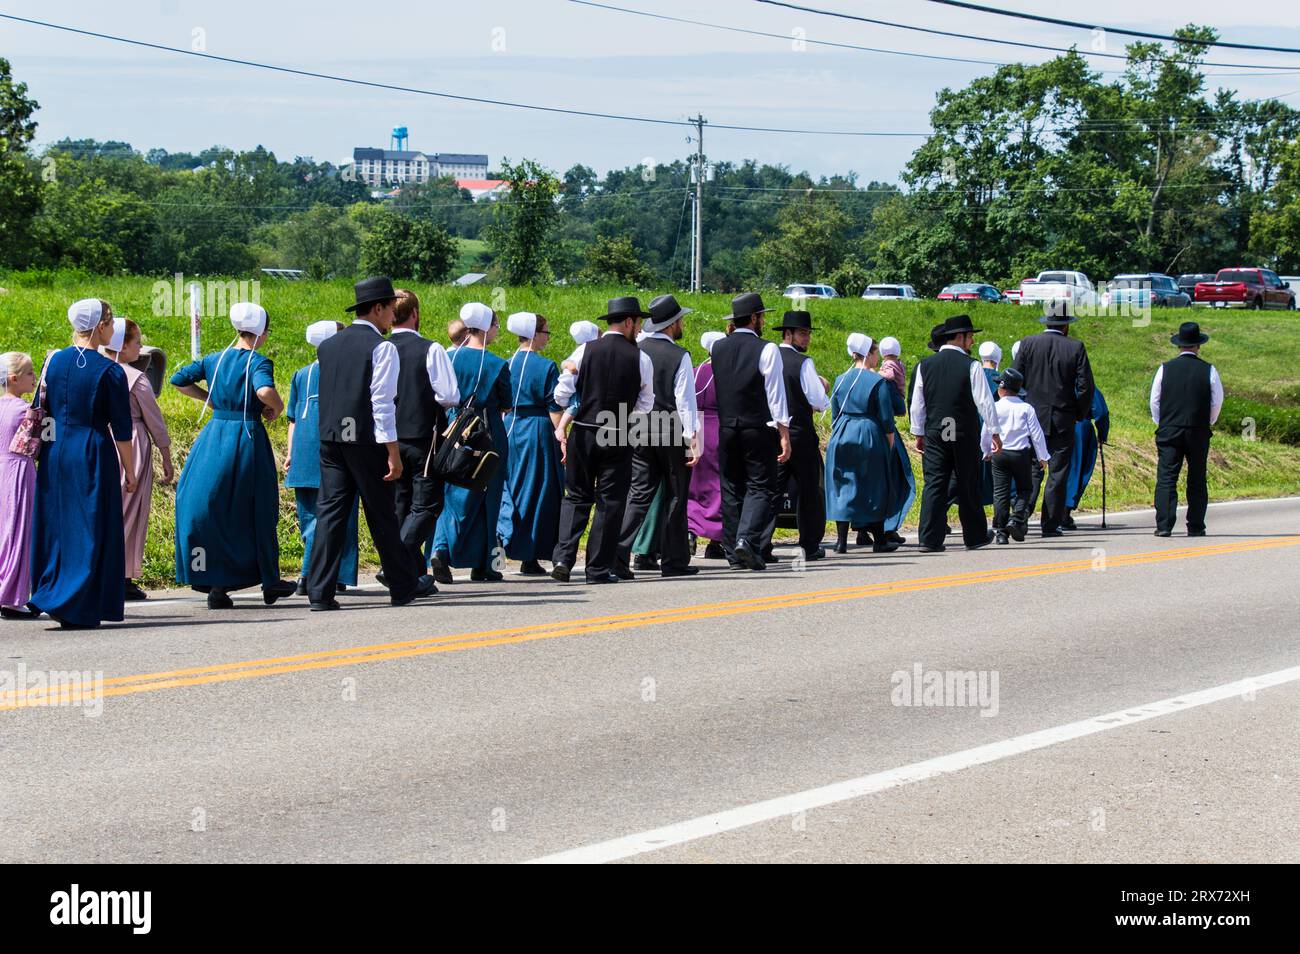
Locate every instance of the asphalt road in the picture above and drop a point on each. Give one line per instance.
(1133, 699)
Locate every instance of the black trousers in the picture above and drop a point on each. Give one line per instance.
(747, 469)
(944, 462)
(599, 475)
(414, 454)
(1012, 467)
(1060, 446)
(807, 469)
(345, 471)
(652, 467)
(1173, 446)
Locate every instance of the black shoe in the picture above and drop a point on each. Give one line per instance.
(424, 587)
(1196, 533)
(1162, 533)
(811, 555)
(622, 572)
(885, 546)
(714, 551)
(896, 537)
(1018, 530)
(338, 588)
(606, 578)
(769, 558)
(747, 558)
(644, 561)
(219, 599)
(484, 575)
(979, 546)
(301, 588)
(841, 547)
(133, 592)
(1002, 540)
(560, 573)
(326, 606)
(441, 572)
(1068, 523)
(1052, 533)
(381, 580)
(64, 624)
(531, 568)
(865, 539)
(277, 590)
(14, 614)
(679, 571)
(939, 549)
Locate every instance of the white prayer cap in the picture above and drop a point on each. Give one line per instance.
(1015, 350)
(476, 315)
(320, 331)
(523, 324)
(989, 351)
(890, 346)
(709, 339)
(85, 314)
(583, 331)
(246, 316)
(859, 344)
(116, 342)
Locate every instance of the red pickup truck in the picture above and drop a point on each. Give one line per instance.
(1244, 288)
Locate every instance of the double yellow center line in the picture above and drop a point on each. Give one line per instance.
(354, 655)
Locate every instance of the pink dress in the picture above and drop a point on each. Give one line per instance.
(893, 370)
(147, 430)
(704, 498)
(17, 498)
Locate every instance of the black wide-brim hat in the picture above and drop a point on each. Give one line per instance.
(620, 309)
(936, 337)
(1189, 333)
(370, 290)
(795, 321)
(664, 310)
(746, 304)
(956, 325)
(1058, 311)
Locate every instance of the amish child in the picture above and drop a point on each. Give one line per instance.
(1022, 443)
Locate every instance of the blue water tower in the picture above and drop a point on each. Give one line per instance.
(398, 140)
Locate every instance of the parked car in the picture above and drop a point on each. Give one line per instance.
(1073, 287)
(1145, 289)
(1189, 281)
(1245, 288)
(894, 292)
(810, 291)
(970, 291)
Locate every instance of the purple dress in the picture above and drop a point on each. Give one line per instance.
(17, 497)
(704, 499)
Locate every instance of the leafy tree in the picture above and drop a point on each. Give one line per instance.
(94, 214)
(19, 182)
(524, 222)
(613, 261)
(1275, 229)
(401, 247)
(851, 278)
(323, 241)
(811, 241)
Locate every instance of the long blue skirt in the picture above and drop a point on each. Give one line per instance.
(529, 524)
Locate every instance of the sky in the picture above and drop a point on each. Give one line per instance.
(563, 54)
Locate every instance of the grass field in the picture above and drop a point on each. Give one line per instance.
(1254, 351)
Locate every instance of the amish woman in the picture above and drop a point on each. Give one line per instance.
(704, 498)
(147, 431)
(467, 526)
(17, 490)
(893, 370)
(228, 499)
(530, 506)
(863, 480)
(78, 552)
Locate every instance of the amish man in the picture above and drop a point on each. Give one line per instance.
(358, 443)
(949, 397)
(1186, 397)
(805, 393)
(426, 386)
(750, 385)
(1022, 443)
(663, 459)
(1058, 378)
(614, 380)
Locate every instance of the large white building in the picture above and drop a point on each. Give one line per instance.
(377, 167)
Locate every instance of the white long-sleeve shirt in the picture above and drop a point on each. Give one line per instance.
(1216, 391)
(1019, 425)
(383, 386)
(568, 383)
(684, 391)
(442, 378)
(811, 383)
(769, 365)
(979, 391)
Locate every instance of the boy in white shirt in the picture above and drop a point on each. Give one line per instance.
(1022, 443)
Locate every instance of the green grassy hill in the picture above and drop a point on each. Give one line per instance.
(1254, 352)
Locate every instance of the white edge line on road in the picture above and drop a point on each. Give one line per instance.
(1182, 508)
(745, 815)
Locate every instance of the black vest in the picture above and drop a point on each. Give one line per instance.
(945, 385)
(609, 380)
(738, 383)
(346, 365)
(1185, 393)
(666, 359)
(796, 402)
(418, 413)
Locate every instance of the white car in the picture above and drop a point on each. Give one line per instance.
(891, 293)
(1073, 287)
(810, 291)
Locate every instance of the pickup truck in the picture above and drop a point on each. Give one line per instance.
(1244, 288)
(1072, 287)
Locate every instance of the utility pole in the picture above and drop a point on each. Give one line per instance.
(697, 264)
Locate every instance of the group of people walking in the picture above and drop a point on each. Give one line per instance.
(625, 434)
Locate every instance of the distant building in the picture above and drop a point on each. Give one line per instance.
(377, 167)
(484, 188)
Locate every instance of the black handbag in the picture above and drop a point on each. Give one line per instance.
(467, 457)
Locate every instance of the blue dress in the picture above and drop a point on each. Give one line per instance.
(78, 544)
(895, 519)
(530, 506)
(304, 469)
(228, 498)
(467, 527)
(1084, 457)
(864, 480)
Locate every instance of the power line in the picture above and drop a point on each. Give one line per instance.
(988, 39)
(1056, 21)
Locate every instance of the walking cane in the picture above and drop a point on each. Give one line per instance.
(1101, 449)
